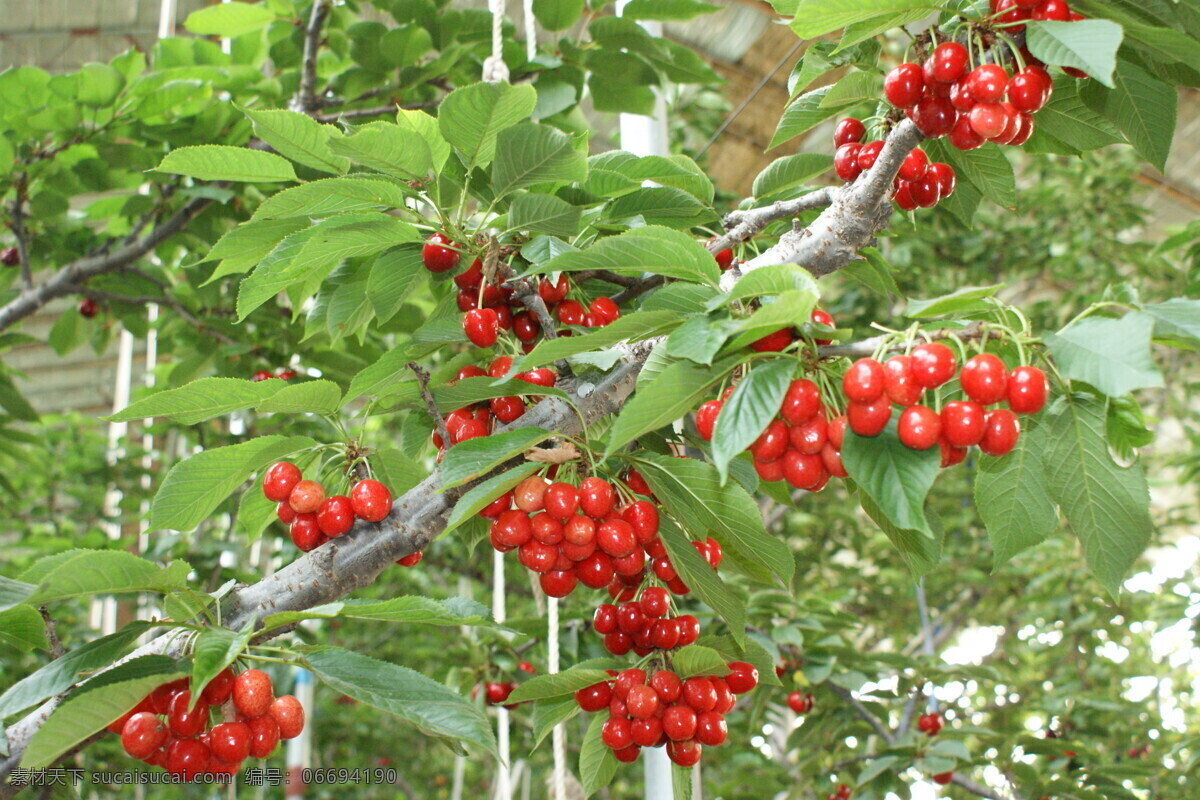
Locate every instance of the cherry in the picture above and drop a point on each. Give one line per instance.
(412, 559)
(512, 528)
(553, 293)
(187, 758)
(525, 326)
(933, 364)
(1027, 390)
(142, 734)
(437, 256)
(929, 724)
(773, 342)
(899, 382)
(596, 571)
(604, 310)
(706, 418)
(914, 165)
(252, 693)
(944, 174)
(642, 516)
(845, 161)
(667, 685)
(160, 698)
(685, 753)
(527, 668)
(471, 278)
(925, 192)
(962, 423)
(219, 688)
(1024, 129)
(665, 633)
(963, 135)
(822, 318)
(1009, 14)
(679, 722)
(803, 471)
(10, 257)
(618, 643)
(507, 409)
(951, 455)
(530, 494)
(801, 402)
(306, 497)
(184, 723)
(903, 196)
(617, 733)
(769, 471)
(642, 702)
(371, 500)
(809, 437)
(1028, 91)
(689, 629)
(501, 504)
(1001, 430)
(869, 419)
(604, 619)
(868, 154)
(848, 130)
(580, 531)
(538, 557)
(596, 497)
(864, 381)
(987, 82)
(919, 427)
(539, 377)
(949, 62)
(1052, 10)
(89, 309)
(335, 517)
(655, 602)
(725, 698)
(984, 379)
(471, 429)
(264, 735)
(279, 480)
(988, 119)
(711, 729)
(699, 694)
(934, 116)
(482, 326)
(230, 742)
(286, 374)
(800, 703)
(942, 778)
(260, 376)
(772, 442)
(742, 678)
(562, 501)
(904, 85)
(495, 693)
(647, 732)
(570, 312)
(305, 532)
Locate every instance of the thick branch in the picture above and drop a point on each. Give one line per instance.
(306, 98)
(742, 225)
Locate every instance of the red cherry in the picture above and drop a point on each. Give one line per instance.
(848, 130)
(570, 312)
(769, 471)
(960, 98)
(802, 471)
(743, 677)
(642, 516)
(944, 175)
(562, 501)
(507, 409)
(963, 135)
(711, 729)
(1052, 10)
(526, 327)
(801, 402)
(869, 419)
(647, 732)
(1010, 14)
(773, 342)
(929, 724)
(555, 293)
(699, 694)
(471, 429)
(914, 166)
(864, 381)
(371, 500)
(537, 557)
(809, 438)
(655, 602)
(630, 618)
(951, 455)
(539, 377)
(987, 82)
(604, 619)
(306, 533)
(943, 778)
(89, 309)
(230, 742)
(187, 758)
(706, 418)
(984, 379)
(264, 735)
(617, 733)
(962, 423)
(594, 697)
(822, 318)
(482, 326)
(899, 382)
(186, 724)
(465, 301)
(832, 459)
(142, 734)
(1027, 390)
(437, 256)
(260, 376)
(279, 480)
(306, 497)
(471, 278)
(933, 364)
(919, 427)
(934, 116)
(558, 583)
(335, 517)
(253, 693)
(1024, 129)
(604, 310)
(904, 85)
(724, 258)
(1028, 91)
(949, 62)
(411, 560)
(988, 119)
(1001, 430)
(495, 508)
(512, 528)
(771, 443)
(596, 571)
(679, 723)
(926, 192)
(530, 494)
(845, 161)
(868, 154)
(10, 257)
(903, 196)
(219, 688)
(642, 702)
(596, 497)
(686, 753)
(665, 634)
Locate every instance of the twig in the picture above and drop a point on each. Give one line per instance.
(56, 648)
(149, 216)
(430, 404)
(638, 288)
(170, 302)
(872, 720)
(742, 225)
(975, 788)
(375, 111)
(607, 276)
(306, 99)
(18, 229)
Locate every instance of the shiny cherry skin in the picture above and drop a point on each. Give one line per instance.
(642, 702)
(279, 480)
(689, 629)
(88, 308)
(772, 443)
(711, 729)
(530, 494)
(933, 364)
(1028, 91)
(848, 130)
(919, 427)
(963, 136)
(679, 722)
(562, 501)
(411, 560)
(642, 516)
(904, 85)
(810, 437)
(558, 583)
(706, 418)
(438, 253)
(1001, 431)
(914, 166)
(594, 697)
(1027, 390)
(188, 758)
(507, 409)
(230, 742)
(655, 602)
(370, 500)
(306, 533)
(943, 173)
(219, 688)
(949, 62)
(685, 753)
(481, 326)
(984, 379)
(604, 619)
(617, 733)
(934, 116)
(845, 161)
(899, 382)
(869, 419)
(142, 734)
(863, 381)
(987, 82)
(604, 310)
(253, 693)
(185, 723)
(742, 678)
(699, 694)
(773, 342)
(822, 317)
(868, 154)
(802, 471)
(264, 735)
(335, 517)
(801, 402)
(963, 423)
(925, 193)
(988, 120)
(306, 497)
(596, 497)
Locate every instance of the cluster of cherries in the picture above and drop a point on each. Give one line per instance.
(488, 307)
(930, 724)
(265, 375)
(476, 420)
(644, 625)
(313, 518)
(164, 730)
(571, 534)
(873, 388)
(650, 711)
(919, 184)
(945, 96)
(801, 445)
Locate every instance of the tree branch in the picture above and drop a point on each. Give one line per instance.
(742, 225)
(877, 724)
(306, 97)
(19, 232)
(439, 421)
(975, 788)
(375, 111)
(56, 648)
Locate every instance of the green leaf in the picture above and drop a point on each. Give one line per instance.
(325, 197)
(675, 392)
(382, 377)
(464, 392)
(802, 114)
(473, 458)
(217, 162)
(14, 402)
(199, 400)
(696, 659)
(309, 397)
(548, 714)
(987, 169)
(692, 492)
(752, 652)
(748, 411)
(967, 300)
(1106, 505)
(788, 308)
(1143, 107)
(814, 18)
(700, 338)
(662, 251)
(472, 117)
(434, 709)
(920, 551)
(22, 628)
(195, 487)
(478, 497)
(99, 85)
(783, 175)
(214, 650)
(597, 764)
(659, 205)
(894, 476)
(1010, 493)
(1112, 355)
(299, 137)
(1090, 45)
(389, 149)
(873, 272)
(618, 173)
(529, 154)
(99, 702)
(228, 19)
(543, 213)
(254, 513)
(875, 768)
(349, 309)
(703, 580)
(557, 15)
(426, 127)
(78, 573)
(394, 277)
(633, 327)
(14, 593)
(60, 674)
(1068, 119)
(452, 612)
(558, 684)
(667, 10)
(1176, 320)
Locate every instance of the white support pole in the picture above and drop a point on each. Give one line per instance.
(503, 789)
(647, 136)
(560, 730)
(299, 750)
(104, 610)
(530, 32)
